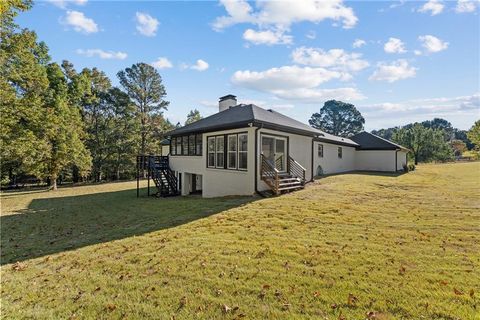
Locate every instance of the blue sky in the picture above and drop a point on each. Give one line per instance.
(396, 61)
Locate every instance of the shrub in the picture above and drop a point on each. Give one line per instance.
(405, 168)
(411, 167)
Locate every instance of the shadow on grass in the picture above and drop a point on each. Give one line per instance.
(54, 225)
(365, 173)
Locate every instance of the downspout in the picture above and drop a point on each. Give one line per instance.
(256, 161)
(396, 160)
(313, 146)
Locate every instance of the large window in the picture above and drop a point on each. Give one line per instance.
(211, 152)
(340, 152)
(227, 151)
(320, 150)
(232, 152)
(220, 152)
(242, 151)
(190, 145)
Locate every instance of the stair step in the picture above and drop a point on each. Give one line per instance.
(289, 180)
(293, 183)
(291, 188)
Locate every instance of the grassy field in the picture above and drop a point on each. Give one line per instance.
(354, 246)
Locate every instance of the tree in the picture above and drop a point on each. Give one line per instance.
(385, 133)
(462, 135)
(338, 118)
(193, 115)
(143, 85)
(474, 135)
(426, 144)
(441, 124)
(458, 147)
(62, 129)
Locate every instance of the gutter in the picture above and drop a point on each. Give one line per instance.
(396, 160)
(313, 145)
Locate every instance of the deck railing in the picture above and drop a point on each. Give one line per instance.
(269, 174)
(295, 169)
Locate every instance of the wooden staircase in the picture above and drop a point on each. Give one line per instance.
(161, 174)
(281, 182)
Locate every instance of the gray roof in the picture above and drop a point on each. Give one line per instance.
(242, 115)
(369, 141)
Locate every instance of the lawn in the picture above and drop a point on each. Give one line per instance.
(351, 246)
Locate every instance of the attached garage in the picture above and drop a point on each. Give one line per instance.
(377, 154)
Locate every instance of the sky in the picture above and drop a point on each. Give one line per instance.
(397, 61)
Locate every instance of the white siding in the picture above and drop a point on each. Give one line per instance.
(330, 162)
(376, 160)
(217, 182)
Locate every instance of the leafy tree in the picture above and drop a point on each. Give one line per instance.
(458, 147)
(385, 133)
(23, 81)
(426, 144)
(143, 85)
(441, 124)
(338, 118)
(462, 135)
(62, 129)
(193, 115)
(474, 135)
(9, 9)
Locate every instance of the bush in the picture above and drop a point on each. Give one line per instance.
(405, 168)
(411, 167)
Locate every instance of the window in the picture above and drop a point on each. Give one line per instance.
(198, 145)
(211, 152)
(340, 152)
(232, 152)
(173, 146)
(227, 151)
(320, 150)
(219, 152)
(191, 145)
(242, 151)
(185, 146)
(178, 152)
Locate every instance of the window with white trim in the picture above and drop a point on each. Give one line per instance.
(232, 152)
(219, 152)
(211, 152)
(242, 151)
(320, 150)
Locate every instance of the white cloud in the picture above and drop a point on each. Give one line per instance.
(466, 6)
(63, 3)
(118, 55)
(146, 24)
(284, 13)
(358, 43)
(295, 83)
(336, 59)
(267, 37)
(431, 105)
(79, 22)
(433, 6)
(417, 52)
(394, 71)
(394, 45)
(162, 63)
(200, 65)
(432, 44)
(274, 18)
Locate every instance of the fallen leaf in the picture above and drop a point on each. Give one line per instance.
(352, 300)
(226, 308)
(457, 292)
(18, 266)
(472, 293)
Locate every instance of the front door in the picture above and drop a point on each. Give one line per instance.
(275, 150)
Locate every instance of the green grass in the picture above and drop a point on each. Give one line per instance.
(347, 247)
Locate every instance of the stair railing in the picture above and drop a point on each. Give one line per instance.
(269, 174)
(296, 169)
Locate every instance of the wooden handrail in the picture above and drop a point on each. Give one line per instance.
(268, 171)
(296, 169)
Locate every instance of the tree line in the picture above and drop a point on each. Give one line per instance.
(431, 140)
(61, 124)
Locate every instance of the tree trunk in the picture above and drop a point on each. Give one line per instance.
(416, 158)
(53, 181)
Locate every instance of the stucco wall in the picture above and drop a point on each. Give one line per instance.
(401, 159)
(375, 160)
(330, 162)
(218, 182)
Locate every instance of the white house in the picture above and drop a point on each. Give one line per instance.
(245, 149)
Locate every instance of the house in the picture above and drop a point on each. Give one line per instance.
(245, 149)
